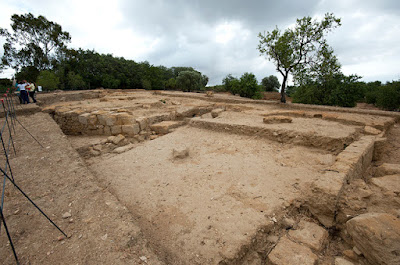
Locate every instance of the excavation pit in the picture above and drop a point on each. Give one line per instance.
(203, 179)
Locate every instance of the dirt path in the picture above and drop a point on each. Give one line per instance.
(102, 230)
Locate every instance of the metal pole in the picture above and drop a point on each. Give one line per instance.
(8, 235)
(29, 132)
(37, 207)
(8, 125)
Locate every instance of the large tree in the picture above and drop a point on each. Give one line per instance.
(297, 47)
(33, 42)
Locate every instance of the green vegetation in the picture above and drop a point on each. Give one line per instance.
(294, 50)
(270, 83)
(48, 80)
(247, 86)
(36, 45)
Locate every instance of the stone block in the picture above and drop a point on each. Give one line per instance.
(388, 183)
(116, 129)
(371, 130)
(277, 119)
(387, 169)
(309, 234)
(125, 119)
(116, 139)
(289, 252)
(379, 148)
(107, 130)
(142, 121)
(323, 197)
(83, 118)
(123, 149)
(165, 126)
(131, 129)
(377, 236)
(92, 119)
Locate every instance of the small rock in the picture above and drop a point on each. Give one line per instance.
(16, 211)
(71, 220)
(357, 251)
(350, 254)
(216, 112)
(181, 152)
(66, 215)
(80, 236)
(143, 258)
(342, 261)
(288, 223)
(153, 137)
(117, 139)
(104, 237)
(273, 239)
(60, 238)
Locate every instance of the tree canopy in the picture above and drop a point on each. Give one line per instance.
(34, 42)
(298, 48)
(270, 83)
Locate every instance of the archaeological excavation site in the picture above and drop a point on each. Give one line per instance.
(162, 177)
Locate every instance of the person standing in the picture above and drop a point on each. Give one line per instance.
(22, 90)
(31, 90)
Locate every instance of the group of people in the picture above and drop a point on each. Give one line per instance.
(26, 90)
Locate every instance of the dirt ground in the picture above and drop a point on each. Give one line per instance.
(236, 180)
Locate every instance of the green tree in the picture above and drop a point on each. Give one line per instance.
(48, 80)
(34, 42)
(188, 80)
(295, 48)
(75, 81)
(249, 87)
(28, 73)
(270, 83)
(388, 97)
(231, 84)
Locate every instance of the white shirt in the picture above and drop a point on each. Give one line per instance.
(22, 86)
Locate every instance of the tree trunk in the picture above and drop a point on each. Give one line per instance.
(283, 87)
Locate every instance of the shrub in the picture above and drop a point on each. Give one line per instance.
(48, 80)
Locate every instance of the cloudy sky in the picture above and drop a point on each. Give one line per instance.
(219, 37)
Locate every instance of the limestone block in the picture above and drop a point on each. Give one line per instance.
(92, 119)
(377, 236)
(371, 130)
(107, 130)
(277, 119)
(309, 234)
(142, 121)
(379, 148)
(323, 198)
(289, 252)
(165, 126)
(387, 169)
(388, 183)
(130, 129)
(216, 112)
(116, 139)
(116, 129)
(83, 118)
(125, 119)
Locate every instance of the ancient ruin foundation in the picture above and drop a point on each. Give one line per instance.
(223, 180)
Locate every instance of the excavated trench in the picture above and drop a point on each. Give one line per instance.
(224, 183)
